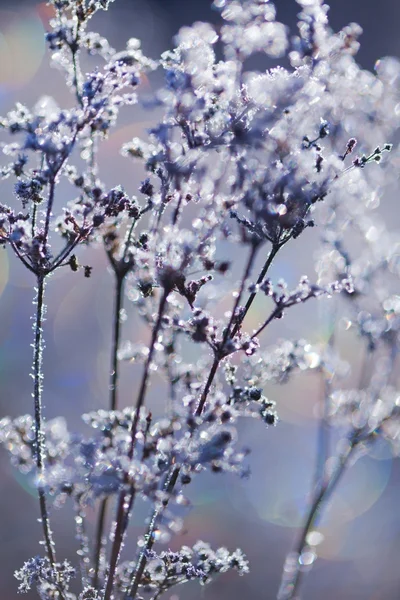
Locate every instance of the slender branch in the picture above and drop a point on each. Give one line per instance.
(323, 433)
(150, 537)
(207, 387)
(271, 317)
(39, 433)
(126, 498)
(114, 374)
(21, 258)
(323, 436)
(228, 334)
(33, 224)
(114, 377)
(50, 202)
(64, 253)
(290, 585)
(99, 541)
(246, 274)
(274, 250)
(171, 481)
(81, 535)
(146, 373)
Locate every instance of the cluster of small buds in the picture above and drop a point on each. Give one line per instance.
(18, 437)
(367, 415)
(168, 569)
(50, 579)
(251, 395)
(89, 593)
(375, 156)
(279, 363)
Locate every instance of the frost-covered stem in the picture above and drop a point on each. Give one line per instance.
(50, 202)
(146, 373)
(173, 477)
(33, 225)
(83, 542)
(63, 255)
(22, 259)
(228, 334)
(291, 580)
(99, 541)
(274, 250)
(246, 274)
(207, 387)
(168, 489)
(125, 498)
(114, 376)
(271, 317)
(39, 434)
(323, 433)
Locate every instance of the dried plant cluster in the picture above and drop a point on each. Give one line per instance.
(241, 163)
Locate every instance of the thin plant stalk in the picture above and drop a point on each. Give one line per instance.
(126, 498)
(120, 269)
(174, 473)
(274, 250)
(150, 535)
(291, 582)
(38, 418)
(38, 413)
(114, 381)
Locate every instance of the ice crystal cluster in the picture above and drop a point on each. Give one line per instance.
(239, 164)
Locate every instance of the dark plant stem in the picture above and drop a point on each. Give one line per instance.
(38, 409)
(271, 317)
(39, 435)
(125, 500)
(290, 583)
(22, 259)
(34, 213)
(274, 250)
(114, 375)
(246, 275)
(50, 202)
(65, 252)
(99, 541)
(81, 535)
(207, 387)
(174, 473)
(323, 441)
(228, 333)
(150, 537)
(114, 380)
(145, 379)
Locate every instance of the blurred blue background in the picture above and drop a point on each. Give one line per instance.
(359, 559)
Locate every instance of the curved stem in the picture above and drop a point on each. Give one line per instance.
(39, 434)
(114, 377)
(126, 498)
(291, 582)
(49, 209)
(171, 481)
(150, 537)
(38, 418)
(274, 250)
(22, 259)
(99, 541)
(207, 387)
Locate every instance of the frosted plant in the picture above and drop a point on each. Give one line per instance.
(240, 163)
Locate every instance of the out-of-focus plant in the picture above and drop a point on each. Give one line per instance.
(239, 159)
